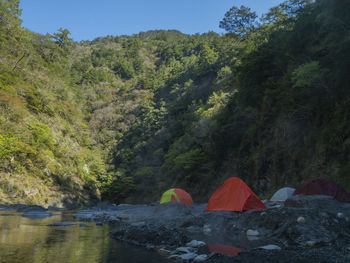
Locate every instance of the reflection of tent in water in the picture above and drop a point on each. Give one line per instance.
(225, 249)
(323, 187)
(176, 195)
(234, 195)
(282, 194)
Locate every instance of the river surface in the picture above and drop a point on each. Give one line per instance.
(25, 240)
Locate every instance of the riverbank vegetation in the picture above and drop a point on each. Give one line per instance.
(124, 118)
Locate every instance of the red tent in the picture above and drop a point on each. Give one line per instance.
(234, 195)
(323, 186)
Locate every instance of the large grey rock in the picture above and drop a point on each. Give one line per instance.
(31, 208)
(36, 214)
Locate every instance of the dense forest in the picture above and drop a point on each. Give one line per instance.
(123, 118)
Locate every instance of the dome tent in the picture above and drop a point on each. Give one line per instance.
(234, 195)
(282, 194)
(323, 186)
(176, 195)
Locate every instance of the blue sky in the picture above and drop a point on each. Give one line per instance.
(88, 19)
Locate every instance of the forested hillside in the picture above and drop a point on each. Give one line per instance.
(124, 118)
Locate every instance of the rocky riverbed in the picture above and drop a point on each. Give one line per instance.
(304, 229)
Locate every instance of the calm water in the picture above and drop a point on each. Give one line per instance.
(27, 240)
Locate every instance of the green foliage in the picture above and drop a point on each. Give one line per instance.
(41, 135)
(7, 146)
(309, 74)
(239, 21)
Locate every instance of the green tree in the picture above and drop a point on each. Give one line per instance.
(239, 21)
(62, 38)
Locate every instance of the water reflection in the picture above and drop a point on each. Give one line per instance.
(225, 249)
(27, 240)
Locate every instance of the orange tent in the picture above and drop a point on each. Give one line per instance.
(234, 195)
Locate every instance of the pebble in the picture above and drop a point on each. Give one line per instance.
(251, 232)
(206, 229)
(195, 243)
(340, 215)
(301, 220)
(271, 247)
(200, 258)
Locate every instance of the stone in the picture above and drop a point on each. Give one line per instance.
(36, 215)
(340, 215)
(200, 258)
(251, 232)
(270, 247)
(206, 229)
(185, 250)
(195, 243)
(163, 251)
(252, 238)
(193, 229)
(138, 224)
(188, 256)
(263, 214)
(301, 220)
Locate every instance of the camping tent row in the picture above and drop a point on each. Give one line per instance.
(235, 195)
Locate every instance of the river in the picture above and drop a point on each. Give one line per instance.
(25, 240)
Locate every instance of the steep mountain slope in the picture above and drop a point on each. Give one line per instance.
(125, 118)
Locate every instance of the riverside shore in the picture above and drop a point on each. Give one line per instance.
(304, 229)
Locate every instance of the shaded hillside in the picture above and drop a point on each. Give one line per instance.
(131, 116)
(46, 153)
